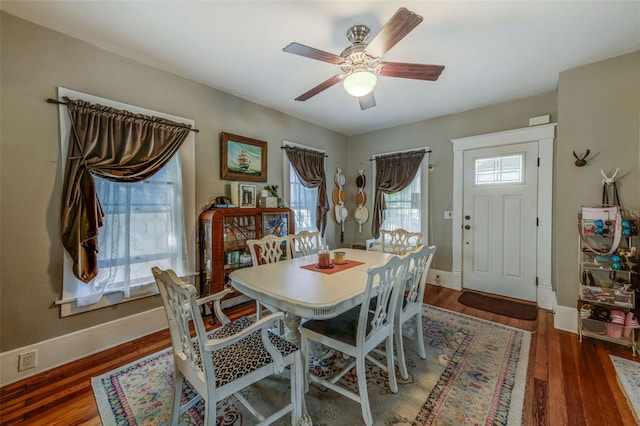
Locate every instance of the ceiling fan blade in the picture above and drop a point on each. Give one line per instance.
(310, 52)
(320, 87)
(367, 101)
(415, 71)
(396, 28)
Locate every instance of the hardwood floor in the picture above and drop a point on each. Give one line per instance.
(568, 382)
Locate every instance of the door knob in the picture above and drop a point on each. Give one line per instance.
(467, 227)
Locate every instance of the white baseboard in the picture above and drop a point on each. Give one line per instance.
(444, 279)
(70, 347)
(546, 298)
(566, 319)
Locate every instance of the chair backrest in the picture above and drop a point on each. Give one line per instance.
(305, 243)
(399, 241)
(180, 303)
(384, 285)
(270, 249)
(419, 264)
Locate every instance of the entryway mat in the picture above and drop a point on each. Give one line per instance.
(497, 305)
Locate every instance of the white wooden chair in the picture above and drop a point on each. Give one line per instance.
(410, 305)
(305, 243)
(358, 331)
(269, 249)
(228, 359)
(399, 241)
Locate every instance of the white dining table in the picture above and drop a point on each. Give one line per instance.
(303, 293)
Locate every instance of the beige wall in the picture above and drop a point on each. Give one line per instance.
(598, 109)
(35, 61)
(437, 134)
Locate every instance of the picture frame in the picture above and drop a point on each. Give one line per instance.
(242, 158)
(247, 195)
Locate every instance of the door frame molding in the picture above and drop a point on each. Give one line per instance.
(545, 136)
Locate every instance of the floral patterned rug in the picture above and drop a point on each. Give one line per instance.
(628, 373)
(475, 373)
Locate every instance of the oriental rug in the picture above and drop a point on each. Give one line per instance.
(475, 373)
(628, 373)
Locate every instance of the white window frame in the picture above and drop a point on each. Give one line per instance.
(286, 166)
(424, 188)
(67, 301)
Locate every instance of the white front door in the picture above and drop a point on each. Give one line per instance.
(499, 220)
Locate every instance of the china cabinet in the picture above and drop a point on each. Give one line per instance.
(223, 233)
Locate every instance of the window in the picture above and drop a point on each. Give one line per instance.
(409, 208)
(143, 227)
(502, 169)
(146, 224)
(404, 208)
(303, 201)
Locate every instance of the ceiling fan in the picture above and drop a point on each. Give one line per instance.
(360, 61)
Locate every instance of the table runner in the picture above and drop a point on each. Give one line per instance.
(336, 267)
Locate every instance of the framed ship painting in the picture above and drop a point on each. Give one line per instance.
(243, 158)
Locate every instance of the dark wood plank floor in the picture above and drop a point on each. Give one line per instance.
(568, 382)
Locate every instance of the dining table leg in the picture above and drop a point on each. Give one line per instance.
(292, 328)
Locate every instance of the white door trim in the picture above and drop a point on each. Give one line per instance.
(544, 134)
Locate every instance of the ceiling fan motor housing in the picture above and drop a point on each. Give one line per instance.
(355, 55)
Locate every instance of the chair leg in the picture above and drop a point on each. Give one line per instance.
(210, 417)
(297, 399)
(391, 368)
(178, 382)
(402, 365)
(361, 372)
(304, 350)
(258, 311)
(420, 336)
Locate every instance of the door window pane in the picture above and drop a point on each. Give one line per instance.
(501, 169)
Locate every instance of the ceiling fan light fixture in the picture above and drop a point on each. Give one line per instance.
(360, 83)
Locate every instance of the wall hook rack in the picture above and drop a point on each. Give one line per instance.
(581, 161)
(609, 180)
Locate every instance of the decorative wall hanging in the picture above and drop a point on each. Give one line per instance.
(242, 158)
(580, 162)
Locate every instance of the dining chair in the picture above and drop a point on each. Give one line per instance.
(410, 304)
(305, 243)
(399, 241)
(358, 331)
(269, 249)
(228, 359)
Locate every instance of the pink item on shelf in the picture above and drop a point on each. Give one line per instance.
(618, 317)
(614, 330)
(631, 322)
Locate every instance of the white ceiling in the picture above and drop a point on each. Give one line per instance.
(493, 51)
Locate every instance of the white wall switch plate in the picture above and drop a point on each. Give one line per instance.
(448, 214)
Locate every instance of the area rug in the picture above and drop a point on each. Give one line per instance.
(500, 306)
(475, 373)
(628, 373)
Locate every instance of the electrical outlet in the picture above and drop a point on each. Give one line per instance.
(27, 360)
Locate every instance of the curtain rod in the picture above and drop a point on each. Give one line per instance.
(285, 147)
(426, 151)
(55, 101)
